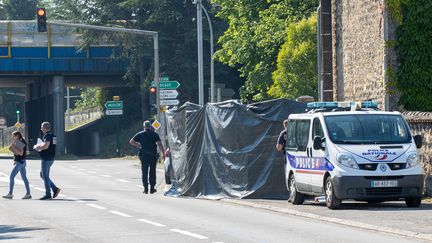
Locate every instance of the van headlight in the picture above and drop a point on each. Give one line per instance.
(412, 160)
(347, 160)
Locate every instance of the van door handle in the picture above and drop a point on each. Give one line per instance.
(310, 153)
(307, 152)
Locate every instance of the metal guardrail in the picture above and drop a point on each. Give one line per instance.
(6, 134)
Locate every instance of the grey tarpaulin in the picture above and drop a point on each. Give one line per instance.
(228, 149)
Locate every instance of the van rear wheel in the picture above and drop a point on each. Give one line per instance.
(295, 197)
(332, 201)
(413, 202)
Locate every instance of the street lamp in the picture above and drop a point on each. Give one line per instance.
(201, 8)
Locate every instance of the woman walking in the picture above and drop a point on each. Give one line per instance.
(19, 149)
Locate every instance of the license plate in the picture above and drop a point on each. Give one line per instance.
(384, 183)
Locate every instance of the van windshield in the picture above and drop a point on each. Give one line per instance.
(367, 129)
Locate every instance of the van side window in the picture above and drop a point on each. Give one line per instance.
(302, 134)
(291, 143)
(297, 135)
(317, 129)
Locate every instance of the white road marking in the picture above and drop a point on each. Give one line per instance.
(107, 176)
(140, 186)
(62, 195)
(39, 189)
(124, 181)
(201, 237)
(91, 171)
(95, 206)
(120, 214)
(151, 222)
(75, 199)
(81, 169)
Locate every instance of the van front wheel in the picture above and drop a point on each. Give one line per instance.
(413, 202)
(332, 201)
(295, 197)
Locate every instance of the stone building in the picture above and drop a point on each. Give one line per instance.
(355, 56)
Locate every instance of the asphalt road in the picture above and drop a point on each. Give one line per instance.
(102, 201)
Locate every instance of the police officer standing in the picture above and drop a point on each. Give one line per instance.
(47, 152)
(280, 146)
(146, 142)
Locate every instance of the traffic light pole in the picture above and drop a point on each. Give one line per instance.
(154, 34)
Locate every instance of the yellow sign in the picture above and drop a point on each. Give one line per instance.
(116, 98)
(162, 108)
(156, 125)
(18, 125)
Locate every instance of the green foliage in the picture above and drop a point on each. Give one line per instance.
(296, 72)
(18, 9)
(414, 75)
(394, 7)
(255, 34)
(90, 98)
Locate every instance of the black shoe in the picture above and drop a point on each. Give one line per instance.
(152, 190)
(56, 192)
(45, 198)
(145, 190)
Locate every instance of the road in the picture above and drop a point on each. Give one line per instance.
(102, 201)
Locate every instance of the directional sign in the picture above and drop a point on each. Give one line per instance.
(169, 102)
(114, 105)
(114, 112)
(168, 94)
(164, 79)
(3, 120)
(169, 84)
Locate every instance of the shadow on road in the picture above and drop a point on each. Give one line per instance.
(74, 200)
(7, 230)
(385, 206)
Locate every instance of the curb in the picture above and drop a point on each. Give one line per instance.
(406, 233)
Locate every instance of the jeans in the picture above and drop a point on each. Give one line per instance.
(19, 167)
(148, 161)
(44, 174)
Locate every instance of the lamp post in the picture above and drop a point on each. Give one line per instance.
(201, 8)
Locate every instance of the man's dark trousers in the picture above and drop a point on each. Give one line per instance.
(148, 161)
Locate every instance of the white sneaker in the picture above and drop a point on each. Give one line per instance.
(8, 196)
(27, 196)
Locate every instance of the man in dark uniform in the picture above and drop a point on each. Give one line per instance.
(280, 146)
(47, 152)
(146, 142)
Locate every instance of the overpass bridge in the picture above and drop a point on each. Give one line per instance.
(44, 63)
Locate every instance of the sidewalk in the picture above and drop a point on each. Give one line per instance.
(390, 217)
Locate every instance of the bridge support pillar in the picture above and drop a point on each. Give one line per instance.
(59, 120)
(45, 102)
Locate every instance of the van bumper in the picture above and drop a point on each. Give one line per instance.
(360, 187)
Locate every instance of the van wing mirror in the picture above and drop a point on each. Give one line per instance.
(418, 141)
(318, 143)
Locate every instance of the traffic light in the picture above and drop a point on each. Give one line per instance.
(152, 99)
(41, 20)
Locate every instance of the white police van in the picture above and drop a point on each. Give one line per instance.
(352, 151)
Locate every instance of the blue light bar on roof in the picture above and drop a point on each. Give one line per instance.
(333, 105)
(326, 105)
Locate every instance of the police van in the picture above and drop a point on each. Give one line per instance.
(352, 151)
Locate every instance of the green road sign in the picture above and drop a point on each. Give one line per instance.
(169, 84)
(164, 79)
(114, 105)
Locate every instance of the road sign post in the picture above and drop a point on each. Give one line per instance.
(115, 108)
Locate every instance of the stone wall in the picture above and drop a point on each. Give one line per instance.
(359, 42)
(421, 123)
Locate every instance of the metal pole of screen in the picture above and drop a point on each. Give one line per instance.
(200, 54)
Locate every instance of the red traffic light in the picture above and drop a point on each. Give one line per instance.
(152, 89)
(41, 12)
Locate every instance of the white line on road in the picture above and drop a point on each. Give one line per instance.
(107, 176)
(91, 171)
(151, 222)
(140, 186)
(120, 214)
(124, 181)
(201, 237)
(39, 189)
(95, 206)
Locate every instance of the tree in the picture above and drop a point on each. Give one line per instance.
(255, 34)
(19, 9)
(296, 73)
